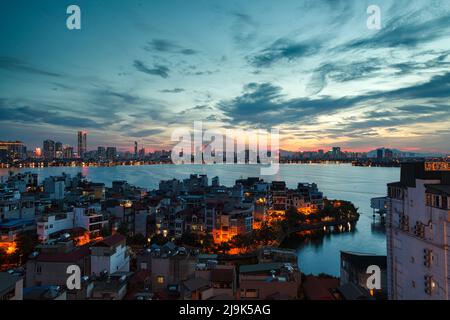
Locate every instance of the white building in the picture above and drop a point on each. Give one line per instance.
(53, 223)
(418, 234)
(110, 255)
(90, 218)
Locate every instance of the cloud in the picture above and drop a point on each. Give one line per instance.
(263, 104)
(166, 46)
(16, 65)
(244, 29)
(404, 31)
(157, 70)
(342, 71)
(145, 133)
(40, 115)
(283, 49)
(175, 90)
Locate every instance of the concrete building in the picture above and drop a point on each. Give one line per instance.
(12, 150)
(55, 187)
(418, 225)
(82, 143)
(275, 280)
(11, 287)
(169, 265)
(354, 270)
(48, 265)
(53, 223)
(91, 219)
(110, 255)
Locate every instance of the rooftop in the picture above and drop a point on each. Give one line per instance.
(261, 267)
(110, 241)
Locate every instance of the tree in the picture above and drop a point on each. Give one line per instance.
(159, 239)
(123, 229)
(223, 247)
(137, 240)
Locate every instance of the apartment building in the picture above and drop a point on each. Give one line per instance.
(110, 255)
(418, 229)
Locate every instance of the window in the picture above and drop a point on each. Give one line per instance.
(38, 269)
(160, 279)
(250, 293)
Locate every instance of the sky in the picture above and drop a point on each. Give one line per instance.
(138, 70)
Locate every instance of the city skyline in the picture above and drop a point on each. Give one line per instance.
(313, 70)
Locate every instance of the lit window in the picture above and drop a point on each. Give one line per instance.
(160, 279)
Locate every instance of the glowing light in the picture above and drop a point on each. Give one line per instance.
(9, 247)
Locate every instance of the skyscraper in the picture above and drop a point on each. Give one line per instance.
(68, 152)
(82, 143)
(101, 153)
(135, 149)
(111, 153)
(58, 150)
(13, 150)
(49, 149)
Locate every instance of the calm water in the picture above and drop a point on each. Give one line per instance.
(341, 181)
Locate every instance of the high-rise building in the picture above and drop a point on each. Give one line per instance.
(82, 143)
(68, 152)
(12, 150)
(58, 150)
(380, 154)
(135, 149)
(417, 229)
(49, 149)
(101, 153)
(142, 153)
(336, 153)
(111, 153)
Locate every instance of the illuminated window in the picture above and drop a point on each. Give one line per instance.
(160, 279)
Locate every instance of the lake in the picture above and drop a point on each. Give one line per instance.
(336, 181)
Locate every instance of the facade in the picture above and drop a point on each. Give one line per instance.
(110, 255)
(55, 187)
(417, 225)
(354, 267)
(53, 223)
(12, 150)
(111, 153)
(48, 265)
(11, 287)
(49, 149)
(82, 143)
(168, 265)
(89, 219)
